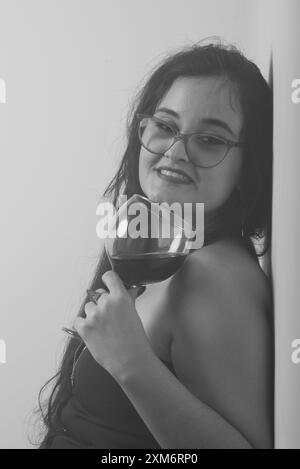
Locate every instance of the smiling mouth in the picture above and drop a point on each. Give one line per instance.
(174, 175)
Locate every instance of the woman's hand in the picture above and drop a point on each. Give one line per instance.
(112, 329)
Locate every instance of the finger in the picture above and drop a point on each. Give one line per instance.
(101, 290)
(78, 325)
(113, 282)
(94, 295)
(89, 309)
(91, 292)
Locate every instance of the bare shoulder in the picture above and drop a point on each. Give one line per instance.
(222, 347)
(222, 287)
(227, 264)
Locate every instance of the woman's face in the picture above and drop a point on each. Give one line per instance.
(194, 100)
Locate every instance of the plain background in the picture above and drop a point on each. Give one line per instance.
(286, 225)
(72, 68)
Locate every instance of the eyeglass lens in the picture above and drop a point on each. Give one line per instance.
(203, 149)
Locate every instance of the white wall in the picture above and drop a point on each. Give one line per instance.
(286, 225)
(71, 68)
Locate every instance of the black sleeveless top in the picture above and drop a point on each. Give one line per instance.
(99, 414)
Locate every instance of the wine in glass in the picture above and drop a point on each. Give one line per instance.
(146, 243)
(150, 253)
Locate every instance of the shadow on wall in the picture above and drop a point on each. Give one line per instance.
(266, 260)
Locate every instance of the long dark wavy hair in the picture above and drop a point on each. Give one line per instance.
(248, 210)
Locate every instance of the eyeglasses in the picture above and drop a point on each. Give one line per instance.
(204, 149)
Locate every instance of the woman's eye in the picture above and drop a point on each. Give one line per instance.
(163, 127)
(210, 140)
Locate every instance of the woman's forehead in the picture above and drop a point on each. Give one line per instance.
(198, 98)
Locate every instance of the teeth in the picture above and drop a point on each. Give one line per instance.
(174, 174)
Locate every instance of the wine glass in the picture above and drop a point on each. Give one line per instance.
(146, 242)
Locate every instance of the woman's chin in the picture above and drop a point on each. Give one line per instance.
(161, 194)
(170, 193)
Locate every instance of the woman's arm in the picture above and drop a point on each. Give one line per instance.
(222, 354)
(175, 417)
(221, 351)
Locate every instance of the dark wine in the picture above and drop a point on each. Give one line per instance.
(141, 269)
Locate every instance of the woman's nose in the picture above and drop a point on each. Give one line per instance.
(177, 151)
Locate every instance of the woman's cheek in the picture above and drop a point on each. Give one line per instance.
(147, 173)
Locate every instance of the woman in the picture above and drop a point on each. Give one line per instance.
(188, 364)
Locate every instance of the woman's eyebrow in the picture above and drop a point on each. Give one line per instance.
(219, 123)
(207, 120)
(168, 111)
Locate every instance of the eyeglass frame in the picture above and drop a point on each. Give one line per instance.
(185, 137)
